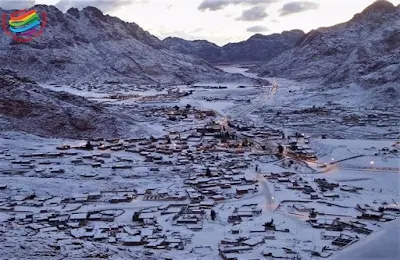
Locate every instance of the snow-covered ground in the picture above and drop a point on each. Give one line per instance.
(382, 245)
(371, 166)
(379, 186)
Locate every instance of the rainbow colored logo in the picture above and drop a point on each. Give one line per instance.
(24, 25)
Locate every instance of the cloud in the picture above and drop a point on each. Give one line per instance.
(103, 5)
(214, 5)
(297, 7)
(198, 30)
(16, 4)
(257, 29)
(256, 13)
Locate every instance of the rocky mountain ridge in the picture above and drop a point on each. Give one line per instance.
(88, 46)
(257, 48)
(364, 50)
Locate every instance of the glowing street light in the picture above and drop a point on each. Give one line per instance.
(372, 162)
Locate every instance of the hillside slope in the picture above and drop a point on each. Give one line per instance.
(25, 106)
(88, 46)
(364, 50)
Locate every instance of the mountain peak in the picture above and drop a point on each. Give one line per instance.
(93, 11)
(257, 36)
(375, 11)
(378, 7)
(296, 31)
(73, 11)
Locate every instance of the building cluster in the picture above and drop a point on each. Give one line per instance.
(218, 162)
(334, 120)
(73, 216)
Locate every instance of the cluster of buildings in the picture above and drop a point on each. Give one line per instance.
(79, 218)
(216, 164)
(334, 121)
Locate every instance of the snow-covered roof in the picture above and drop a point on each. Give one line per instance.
(131, 239)
(78, 216)
(146, 215)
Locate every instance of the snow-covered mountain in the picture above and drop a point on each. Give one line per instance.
(257, 48)
(25, 106)
(199, 48)
(364, 50)
(88, 46)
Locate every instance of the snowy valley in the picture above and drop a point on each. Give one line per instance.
(125, 149)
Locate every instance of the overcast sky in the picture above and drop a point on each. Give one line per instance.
(219, 21)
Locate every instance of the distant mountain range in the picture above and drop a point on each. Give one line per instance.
(364, 50)
(88, 46)
(256, 48)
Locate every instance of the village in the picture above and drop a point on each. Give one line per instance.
(231, 175)
(208, 184)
